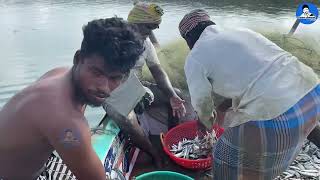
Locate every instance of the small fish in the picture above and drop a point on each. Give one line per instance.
(309, 174)
(179, 154)
(306, 166)
(196, 148)
(290, 171)
(306, 149)
(288, 175)
(303, 158)
(301, 167)
(297, 175)
(316, 166)
(316, 159)
(294, 167)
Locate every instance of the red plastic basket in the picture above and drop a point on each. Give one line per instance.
(186, 130)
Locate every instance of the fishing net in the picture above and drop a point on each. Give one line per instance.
(172, 57)
(173, 54)
(304, 48)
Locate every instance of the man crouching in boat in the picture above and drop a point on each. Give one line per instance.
(49, 114)
(148, 17)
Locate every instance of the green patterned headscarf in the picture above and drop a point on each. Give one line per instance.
(145, 13)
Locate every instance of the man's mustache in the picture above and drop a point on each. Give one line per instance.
(101, 94)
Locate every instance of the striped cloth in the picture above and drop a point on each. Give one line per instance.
(56, 170)
(118, 163)
(262, 150)
(191, 20)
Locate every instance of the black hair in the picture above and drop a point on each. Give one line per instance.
(115, 40)
(305, 6)
(193, 35)
(68, 130)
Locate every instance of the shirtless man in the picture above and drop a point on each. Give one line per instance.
(49, 114)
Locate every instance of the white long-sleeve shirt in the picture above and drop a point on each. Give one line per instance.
(262, 79)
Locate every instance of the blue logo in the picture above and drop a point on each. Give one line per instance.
(307, 13)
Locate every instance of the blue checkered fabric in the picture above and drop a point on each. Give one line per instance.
(262, 150)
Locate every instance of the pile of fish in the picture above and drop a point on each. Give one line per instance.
(197, 148)
(306, 166)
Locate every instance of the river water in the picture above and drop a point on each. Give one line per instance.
(38, 35)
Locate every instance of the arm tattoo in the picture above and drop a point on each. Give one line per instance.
(70, 138)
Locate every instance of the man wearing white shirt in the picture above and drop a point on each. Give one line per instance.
(275, 98)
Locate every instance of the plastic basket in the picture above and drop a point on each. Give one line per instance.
(163, 175)
(187, 130)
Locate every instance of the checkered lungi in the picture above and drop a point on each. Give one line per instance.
(262, 150)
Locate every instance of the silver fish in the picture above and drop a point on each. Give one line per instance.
(306, 166)
(197, 148)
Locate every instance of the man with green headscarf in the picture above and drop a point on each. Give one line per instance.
(147, 17)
